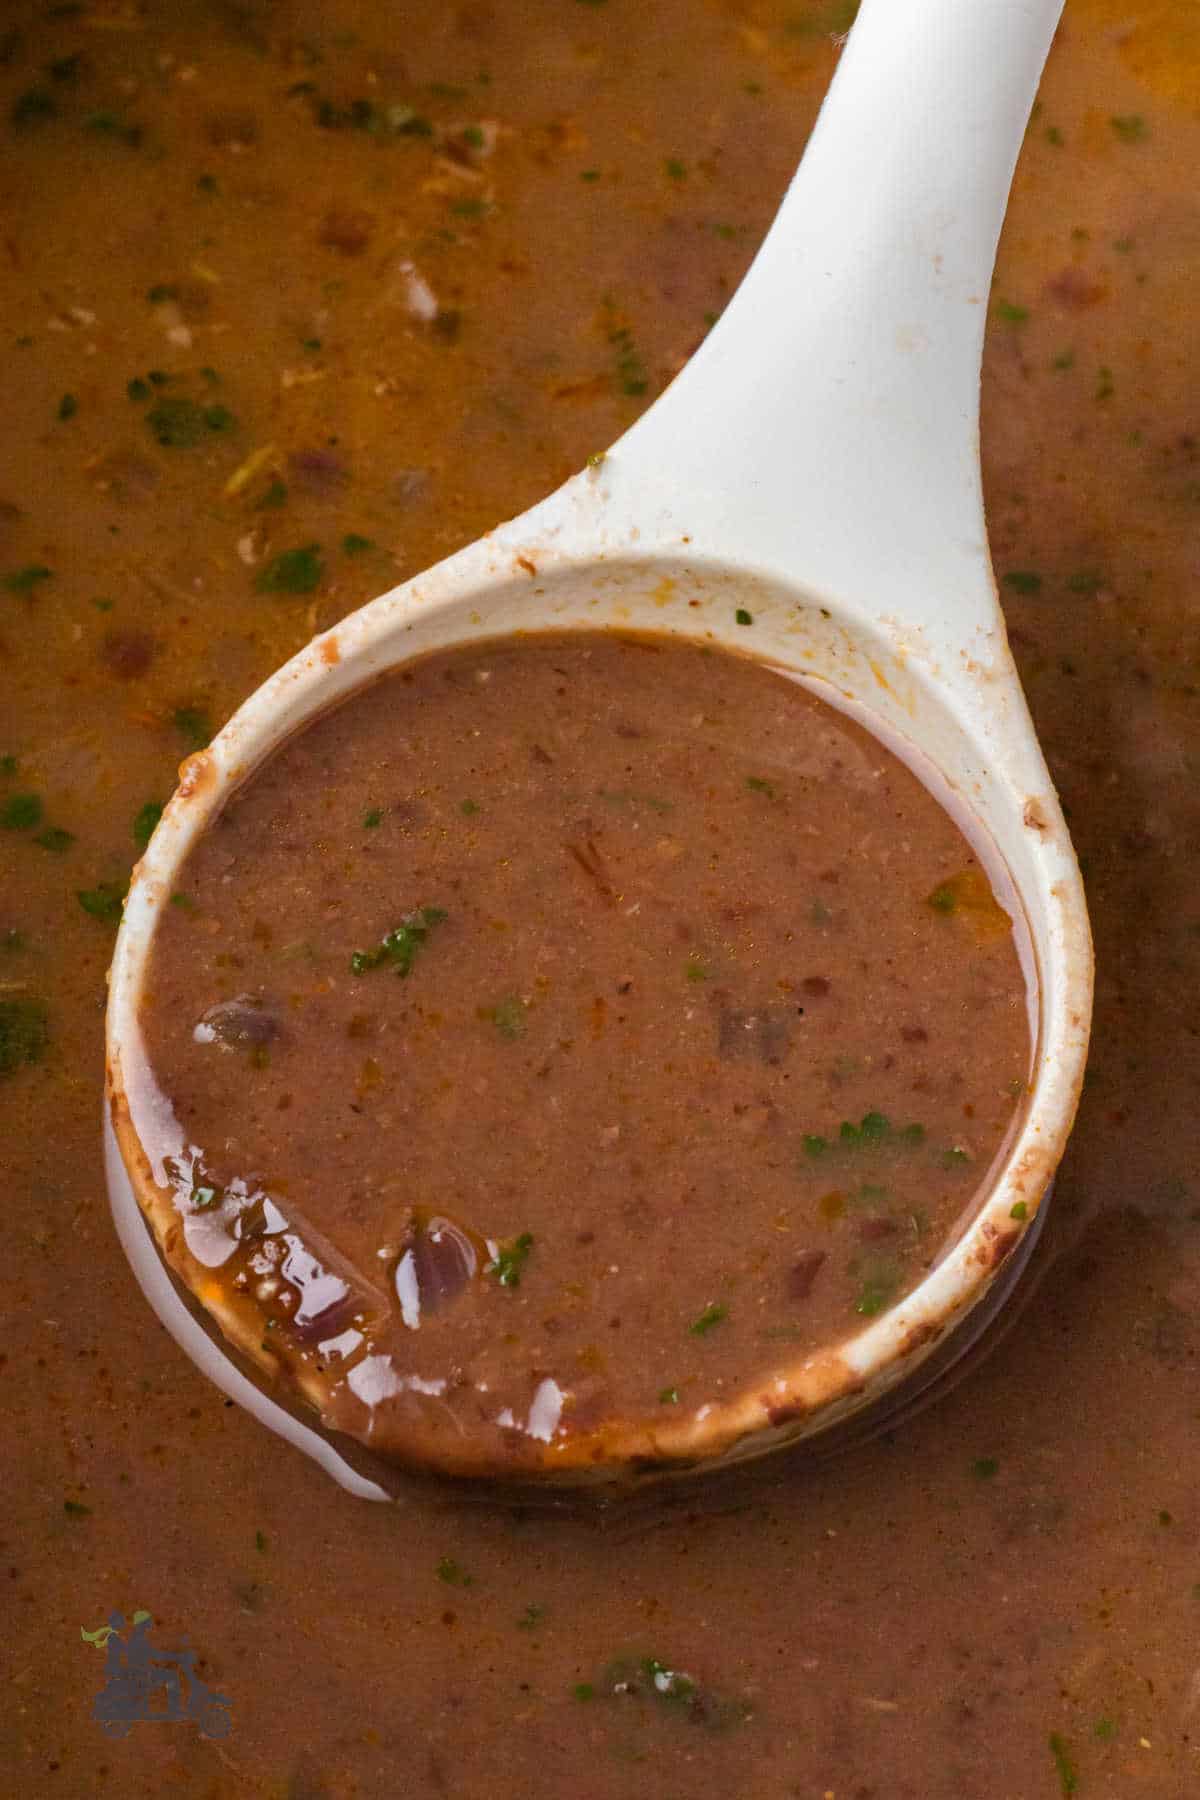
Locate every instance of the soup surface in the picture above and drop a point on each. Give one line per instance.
(571, 1031)
(999, 1599)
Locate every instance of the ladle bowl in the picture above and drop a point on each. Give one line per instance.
(815, 468)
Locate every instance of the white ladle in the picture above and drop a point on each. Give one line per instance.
(815, 465)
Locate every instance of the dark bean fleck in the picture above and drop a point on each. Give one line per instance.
(245, 1023)
(128, 653)
(803, 1273)
(347, 229)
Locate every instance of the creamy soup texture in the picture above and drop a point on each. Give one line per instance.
(571, 1031)
(298, 297)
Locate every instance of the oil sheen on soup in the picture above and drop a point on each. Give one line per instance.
(571, 1030)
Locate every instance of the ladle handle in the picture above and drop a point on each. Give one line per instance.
(830, 421)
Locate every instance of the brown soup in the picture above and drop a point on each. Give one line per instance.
(569, 1031)
(1000, 1599)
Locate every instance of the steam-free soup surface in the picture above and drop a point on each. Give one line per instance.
(611, 1020)
(998, 1599)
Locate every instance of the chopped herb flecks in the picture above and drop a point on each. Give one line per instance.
(874, 1131)
(104, 901)
(1010, 313)
(23, 581)
(636, 1680)
(1068, 1778)
(510, 1261)
(453, 1573)
(23, 1032)
(54, 839)
(508, 1016)
(21, 812)
(193, 725)
(145, 821)
(880, 1278)
(398, 950)
(180, 424)
(710, 1317)
(630, 370)
(292, 572)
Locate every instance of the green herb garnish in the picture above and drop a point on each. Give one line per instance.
(23, 581)
(104, 901)
(758, 785)
(510, 1261)
(1010, 313)
(75, 1509)
(533, 1615)
(193, 725)
(669, 1397)
(353, 544)
(508, 1016)
(1068, 1778)
(21, 812)
(32, 108)
(1023, 581)
(712, 1315)
(292, 572)
(1129, 127)
(985, 1468)
(275, 495)
(180, 424)
(372, 819)
(68, 406)
(145, 821)
(631, 371)
(453, 1573)
(399, 948)
(204, 1196)
(1019, 1211)
(23, 1032)
(880, 1279)
(742, 617)
(54, 839)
